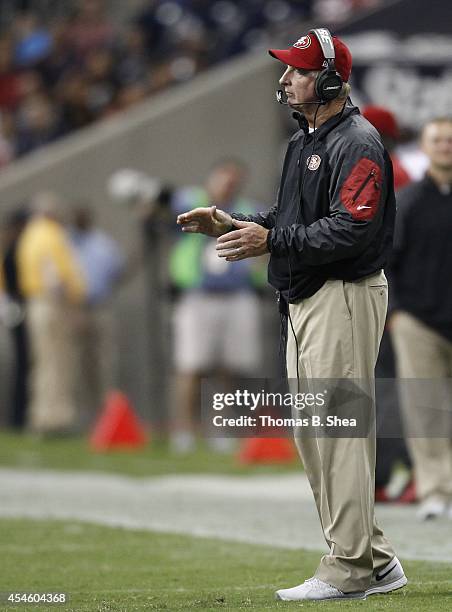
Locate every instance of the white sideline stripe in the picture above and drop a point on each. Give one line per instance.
(273, 510)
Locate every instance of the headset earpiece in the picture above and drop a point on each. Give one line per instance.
(328, 83)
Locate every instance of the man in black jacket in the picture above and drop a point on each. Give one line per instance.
(328, 235)
(421, 323)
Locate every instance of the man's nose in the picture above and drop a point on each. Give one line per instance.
(284, 80)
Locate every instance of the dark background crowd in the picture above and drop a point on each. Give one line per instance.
(65, 65)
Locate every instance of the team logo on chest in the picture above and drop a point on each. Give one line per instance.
(303, 42)
(313, 162)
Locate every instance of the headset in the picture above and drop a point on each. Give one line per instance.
(328, 83)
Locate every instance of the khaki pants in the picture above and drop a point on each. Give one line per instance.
(426, 404)
(339, 331)
(96, 359)
(52, 406)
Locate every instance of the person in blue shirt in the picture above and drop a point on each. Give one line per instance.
(103, 264)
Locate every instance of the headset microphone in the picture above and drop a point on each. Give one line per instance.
(282, 99)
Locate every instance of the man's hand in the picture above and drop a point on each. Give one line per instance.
(249, 240)
(209, 221)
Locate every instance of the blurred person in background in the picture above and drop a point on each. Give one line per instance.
(102, 263)
(73, 96)
(421, 319)
(61, 58)
(217, 311)
(6, 147)
(90, 28)
(38, 124)
(386, 124)
(12, 313)
(32, 40)
(32, 83)
(101, 82)
(130, 95)
(132, 61)
(391, 482)
(338, 11)
(52, 283)
(10, 81)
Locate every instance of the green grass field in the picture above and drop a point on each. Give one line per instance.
(105, 570)
(29, 452)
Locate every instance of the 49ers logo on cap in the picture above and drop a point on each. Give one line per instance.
(303, 42)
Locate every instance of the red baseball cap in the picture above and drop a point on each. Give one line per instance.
(307, 53)
(382, 119)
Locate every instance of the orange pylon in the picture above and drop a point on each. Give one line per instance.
(118, 426)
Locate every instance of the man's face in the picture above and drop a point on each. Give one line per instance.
(437, 144)
(298, 85)
(224, 182)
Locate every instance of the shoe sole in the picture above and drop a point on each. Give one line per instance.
(350, 596)
(387, 588)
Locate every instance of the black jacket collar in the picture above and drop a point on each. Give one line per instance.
(347, 110)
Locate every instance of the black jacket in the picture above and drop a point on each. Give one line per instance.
(335, 211)
(421, 264)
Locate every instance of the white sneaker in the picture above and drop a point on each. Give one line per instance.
(398, 483)
(390, 578)
(315, 590)
(431, 508)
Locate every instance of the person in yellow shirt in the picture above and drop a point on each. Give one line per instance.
(52, 283)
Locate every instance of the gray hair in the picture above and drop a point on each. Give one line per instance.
(345, 91)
